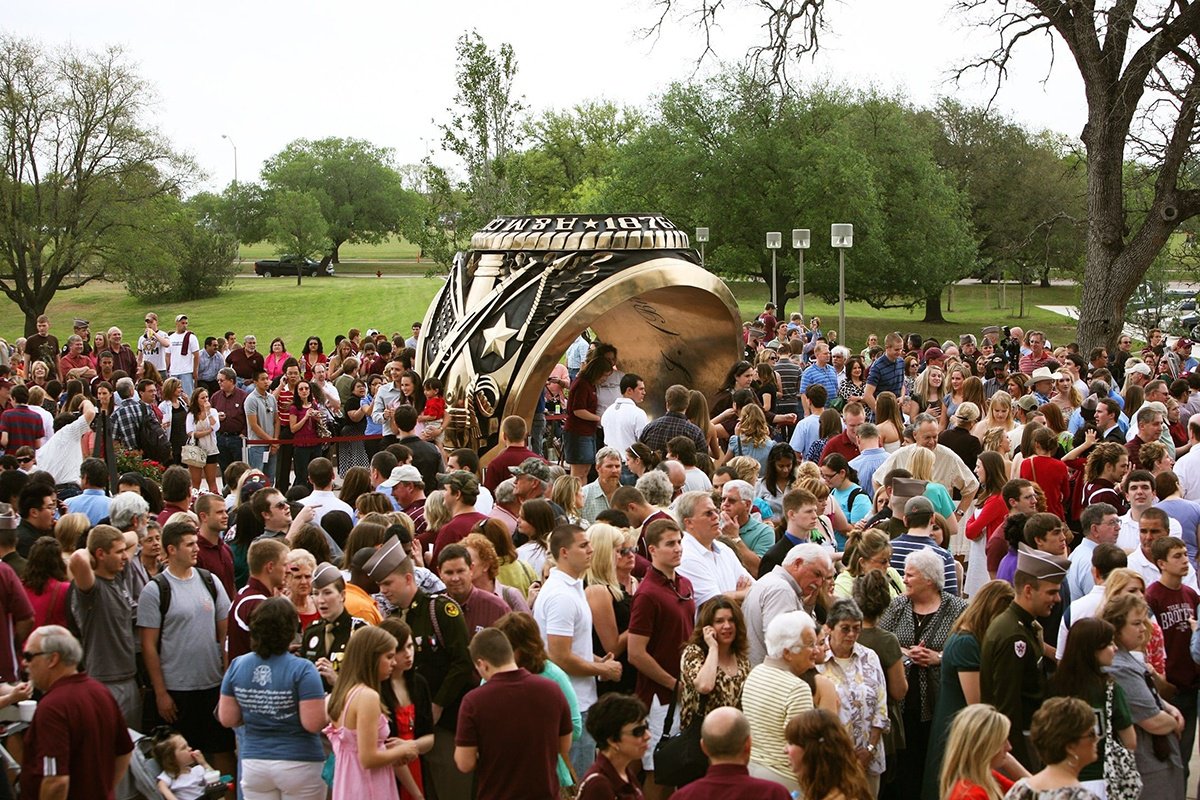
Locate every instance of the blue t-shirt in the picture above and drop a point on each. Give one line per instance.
(269, 692)
(886, 376)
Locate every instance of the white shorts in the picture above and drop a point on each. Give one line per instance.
(657, 719)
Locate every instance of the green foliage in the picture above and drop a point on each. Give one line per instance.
(358, 191)
(83, 170)
(176, 254)
(735, 156)
(297, 225)
(241, 210)
(1025, 192)
(571, 153)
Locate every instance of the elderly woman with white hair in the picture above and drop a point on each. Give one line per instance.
(775, 692)
(921, 620)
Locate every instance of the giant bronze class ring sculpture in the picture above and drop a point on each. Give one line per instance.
(528, 287)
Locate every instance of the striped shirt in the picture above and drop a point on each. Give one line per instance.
(886, 376)
(910, 543)
(771, 696)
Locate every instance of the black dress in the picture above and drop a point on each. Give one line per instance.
(621, 609)
(179, 414)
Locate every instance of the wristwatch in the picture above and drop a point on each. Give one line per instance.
(871, 748)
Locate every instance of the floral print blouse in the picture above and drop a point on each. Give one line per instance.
(862, 695)
(726, 692)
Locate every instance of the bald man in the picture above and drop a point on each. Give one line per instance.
(725, 739)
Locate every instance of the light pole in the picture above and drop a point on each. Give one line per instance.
(842, 237)
(701, 237)
(801, 239)
(236, 203)
(774, 242)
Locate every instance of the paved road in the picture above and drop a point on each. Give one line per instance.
(339, 277)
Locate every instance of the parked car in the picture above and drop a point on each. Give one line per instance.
(290, 265)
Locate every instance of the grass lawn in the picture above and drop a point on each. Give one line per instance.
(326, 307)
(974, 307)
(266, 308)
(395, 248)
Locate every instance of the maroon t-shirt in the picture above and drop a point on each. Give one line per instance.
(840, 444)
(77, 730)
(237, 638)
(497, 470)
(582, 398)
(666, 614)
(217, 559)
(456, 530)
(15, 603)
(496, 715)
(244, 364)
(1173, 608)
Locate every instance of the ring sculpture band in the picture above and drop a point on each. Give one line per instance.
(529, 286)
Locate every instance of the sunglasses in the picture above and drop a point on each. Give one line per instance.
(626, 551)
(281, 505)
(30, 656)
(638, 731)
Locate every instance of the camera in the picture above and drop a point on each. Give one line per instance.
(1011, 348)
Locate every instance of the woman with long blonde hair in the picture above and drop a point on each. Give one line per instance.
(358, 730)
(567, 492)
(976, 752)
(610, 587)
(999, 415)
(751, 437)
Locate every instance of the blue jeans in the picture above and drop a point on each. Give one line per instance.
(583, 750)
(229, 449)
(188, 382)
(256, 457)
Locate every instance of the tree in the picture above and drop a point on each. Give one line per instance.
(80, 165)
(1139, 62)
(187, 258)
(1025, 192)
(241, 210)
(737, 156)
(357, 189)
(571, 153)
(297, 226)
(483, 132)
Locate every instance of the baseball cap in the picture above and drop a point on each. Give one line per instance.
(934, 354)
(1183, 344)
(1028, 402)
(916, 505)
(405, 473)
(1139, 369)
(81, 323)
(533, 467)
(997, 361)
(181, 317)
(460, 479)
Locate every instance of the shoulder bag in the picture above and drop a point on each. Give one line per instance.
(1122, 781)
(678, 759)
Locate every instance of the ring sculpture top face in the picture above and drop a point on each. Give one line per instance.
(530, 285)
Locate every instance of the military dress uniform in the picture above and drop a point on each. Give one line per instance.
(324, 639)
(440, 638)
(1011, 676)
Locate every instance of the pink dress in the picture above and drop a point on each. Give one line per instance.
(350, 780)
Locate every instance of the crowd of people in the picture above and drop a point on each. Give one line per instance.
(960, 569)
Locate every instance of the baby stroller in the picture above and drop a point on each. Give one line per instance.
(144, 769)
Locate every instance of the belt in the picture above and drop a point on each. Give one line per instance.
(227, 435)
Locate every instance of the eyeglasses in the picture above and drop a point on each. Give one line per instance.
(281, 505)
(28, 656)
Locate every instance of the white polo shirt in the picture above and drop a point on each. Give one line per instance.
(562, 610)
(712, 571)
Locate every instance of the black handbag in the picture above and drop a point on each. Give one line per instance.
(678, 759)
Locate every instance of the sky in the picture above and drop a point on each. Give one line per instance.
(265, 72)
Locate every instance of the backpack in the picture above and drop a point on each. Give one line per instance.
(164, 596)
(152, 438)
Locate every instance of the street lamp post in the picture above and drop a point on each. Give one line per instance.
(842, 237)
(236, 203)
(774, 242)
(801, 239)
(701, 237)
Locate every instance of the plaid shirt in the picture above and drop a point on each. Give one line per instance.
(671, 424)
(125, 421)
